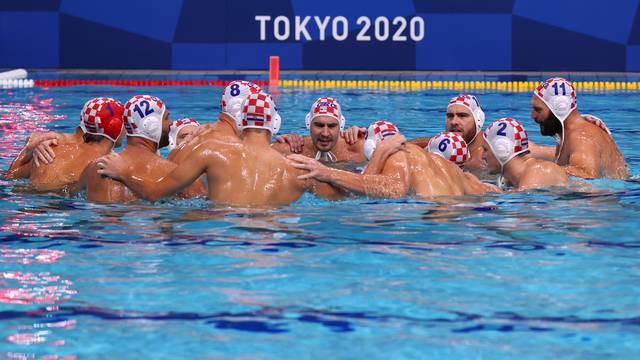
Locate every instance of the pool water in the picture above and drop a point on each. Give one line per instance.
(523, 275)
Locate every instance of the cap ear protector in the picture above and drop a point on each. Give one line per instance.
(234, 109)
(152, 125)
(560, 106)
(369, 148)
(277, 121)
(501, 149)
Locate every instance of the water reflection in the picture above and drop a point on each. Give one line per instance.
(22, 289)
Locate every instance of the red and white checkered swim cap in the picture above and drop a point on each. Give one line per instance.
(259, 112)
(175, 128)
(143, 117)
(506, 138)
(234, 95)
(376, 133)
(597, 122)
(559, 95)
(470, 102)
(325, 106)
(450, 146)
(102, 116)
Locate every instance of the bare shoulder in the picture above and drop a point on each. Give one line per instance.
(282, 148)
(541, 169)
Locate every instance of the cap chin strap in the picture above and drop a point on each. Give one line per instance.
(501, 183)
(474, 137)
(326, 156)
(560, 141)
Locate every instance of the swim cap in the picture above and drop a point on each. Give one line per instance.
(143, 117)
(450, 146)
(325, 106)
(259, 112)
(377, 132)
(102, 116)
(175, 128)
(234, 95)
(471, 103)
(506, 138)
(597, 122)
(559, 95)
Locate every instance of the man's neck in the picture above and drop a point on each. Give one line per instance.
(572, 119)
(227, 124)
(105, 145)
(475, 143)
(256, 137)
(78, 135)
(515, 168)
(140, 143)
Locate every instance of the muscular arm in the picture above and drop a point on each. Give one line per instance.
(543, 175)
(21, 166)
(392, 182)
(584, 165)
(325, 190)
(376, 164)
(18, 171)
(282, 148)
(542, 152)
(473, 185)
(381, 154)
(180, 178)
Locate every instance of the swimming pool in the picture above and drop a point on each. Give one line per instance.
(530, 275)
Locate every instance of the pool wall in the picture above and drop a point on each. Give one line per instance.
(456, 35)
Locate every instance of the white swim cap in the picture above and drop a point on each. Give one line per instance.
(376, 133)
(471, 103)
(559, 95)
(143, 117)
(102, 116)
(325, 106)
(234, 95)
(450, 146)
(175, 128)
(506, 138)
(259, 112)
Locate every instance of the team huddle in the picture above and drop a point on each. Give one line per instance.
(232, 161)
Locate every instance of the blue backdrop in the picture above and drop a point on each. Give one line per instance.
(533, 35)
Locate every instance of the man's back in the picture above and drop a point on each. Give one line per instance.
(219, 130)
(604, 159)
(249, 173)
(70, 161)
(144, 163)
(431, 175)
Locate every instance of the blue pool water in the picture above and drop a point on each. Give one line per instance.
(529, 275)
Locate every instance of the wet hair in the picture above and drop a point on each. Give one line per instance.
(89, 138)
